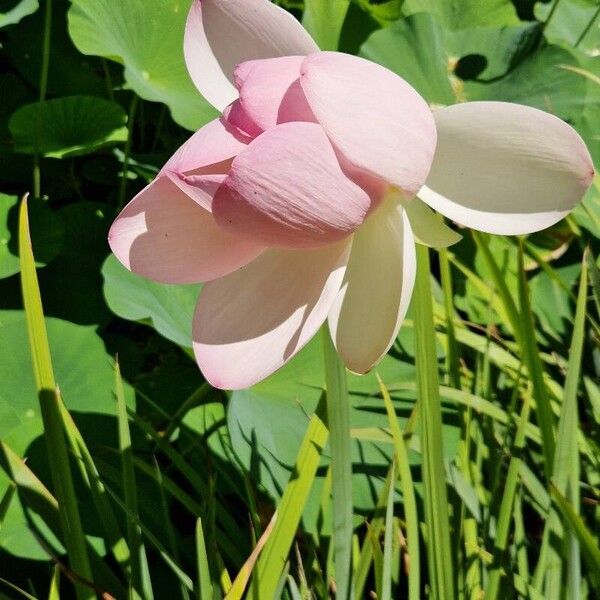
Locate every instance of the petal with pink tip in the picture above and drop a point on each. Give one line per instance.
(164, 235)
(221, 34)
(270, 91)
(199, 166)
(506, 168)
(373, 117)
(287, 189)
(373, 300)
(250, 323)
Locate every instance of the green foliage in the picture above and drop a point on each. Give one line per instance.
(473, 455)
(147, 38)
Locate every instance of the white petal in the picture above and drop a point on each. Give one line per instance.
(506, 168)
(367, 313)
(427, 227)
(250, 323)
(221, 34)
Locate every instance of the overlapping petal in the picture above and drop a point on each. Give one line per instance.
(287, 189)
(373, 117)
(253, 321)
(166, 236)
(199, 166)
(506, 168)
(372, 303)
(270, 91)
(221, 34)
(427, 227)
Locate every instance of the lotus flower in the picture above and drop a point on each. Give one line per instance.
(300, 204)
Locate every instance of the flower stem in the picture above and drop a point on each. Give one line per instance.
(338, 416)
(39, 119)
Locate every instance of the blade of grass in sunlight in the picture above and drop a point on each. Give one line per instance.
(141, 586)
(338, 419)
(240, 583)
(273, 558)
(58, 458)
(203, 587)
(437, 518)
(54, 592)
(386, 577)
(408, 496)
(17, 589)
(566, 470)
(533, 361)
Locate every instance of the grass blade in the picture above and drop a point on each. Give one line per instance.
(507, 504)
(273, 558)
(386, 577)
(141, 585)
(338, 417)
(58, 458)
(408, 496)
(437, 518)
(591, 551)
(566, 461)
(204, 589)
(54, 592)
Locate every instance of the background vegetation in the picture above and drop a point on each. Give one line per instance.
(175, 484)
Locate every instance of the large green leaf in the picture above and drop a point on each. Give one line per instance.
(17, 12)
(68, 126)
(85, 375)
(147, 38)
(427, 55)
(169, 308)
(467, 13)
(82, 368)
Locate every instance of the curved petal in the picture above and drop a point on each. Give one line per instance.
(506, 168)
(372, 116)
(220, 34)
(199, 166)
(372, 303)
(164, 235)
(288, 190)
(428, 228)
(270, 91)
(249, 324)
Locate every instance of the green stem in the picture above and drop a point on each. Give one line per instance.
(130, 120)
(587, 27)
(550, 14)
(39, 125)
(338, 416)
(437, 518)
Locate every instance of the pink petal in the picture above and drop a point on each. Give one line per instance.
(270, 91)
(372, 116)
(220, 34)
(164, 235)
(287, 189)
(506, 168)
(199, 166)
(249, 324)
(372, 303)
